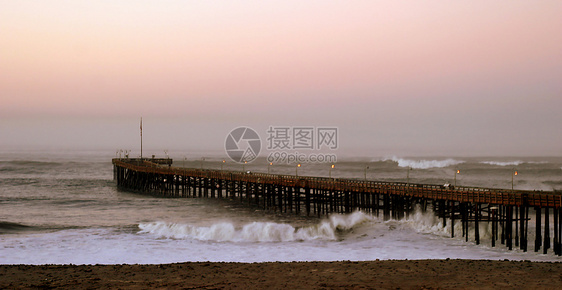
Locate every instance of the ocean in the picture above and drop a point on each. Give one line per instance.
(65, 208)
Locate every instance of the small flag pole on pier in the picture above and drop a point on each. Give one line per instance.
(141, 137)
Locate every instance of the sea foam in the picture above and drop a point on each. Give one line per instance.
(257, 231)
(506, 163)
(424, 164)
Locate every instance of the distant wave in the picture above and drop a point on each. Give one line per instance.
(506, 163)
(26, 165)
(512, 163)
(256, 231)
(29, 163)
(424, 164)
(6, 227)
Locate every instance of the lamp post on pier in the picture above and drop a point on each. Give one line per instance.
(268, 166)
(366, 167)
(244, 166)
(201, 162)
(223, 162)
(456, 172)
(331, 167)
(297, 169)
(514, 172)
(141, 138)
(408, 175)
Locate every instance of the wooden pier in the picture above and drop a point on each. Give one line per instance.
(506, 211)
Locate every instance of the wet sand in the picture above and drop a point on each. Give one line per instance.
(413, 274)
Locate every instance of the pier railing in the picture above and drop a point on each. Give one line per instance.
(431, 191)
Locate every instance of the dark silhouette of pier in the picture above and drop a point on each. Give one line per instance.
(506, 210)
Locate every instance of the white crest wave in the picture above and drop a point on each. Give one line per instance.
(505, 163)
(256, 231)
(424, 164)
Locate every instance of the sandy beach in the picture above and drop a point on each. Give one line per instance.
(388, 274)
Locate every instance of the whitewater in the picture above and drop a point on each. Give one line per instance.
(61, 208)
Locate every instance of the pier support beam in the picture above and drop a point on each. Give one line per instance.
(556, 240)
(509, 227)
(522, 228)
(546, 245)
(494, 226)
(476, 223)
(538, 238)
(452, 210)
(516, 226)
(386, 207)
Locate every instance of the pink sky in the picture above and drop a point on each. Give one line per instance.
(414, 77)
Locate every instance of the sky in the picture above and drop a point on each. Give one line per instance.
(404, 78)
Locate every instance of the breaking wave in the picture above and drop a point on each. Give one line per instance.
(257, 231)
(424, 164)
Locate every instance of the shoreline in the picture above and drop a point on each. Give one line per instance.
(378, 274)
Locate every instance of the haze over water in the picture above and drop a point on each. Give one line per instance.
(65, 208)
